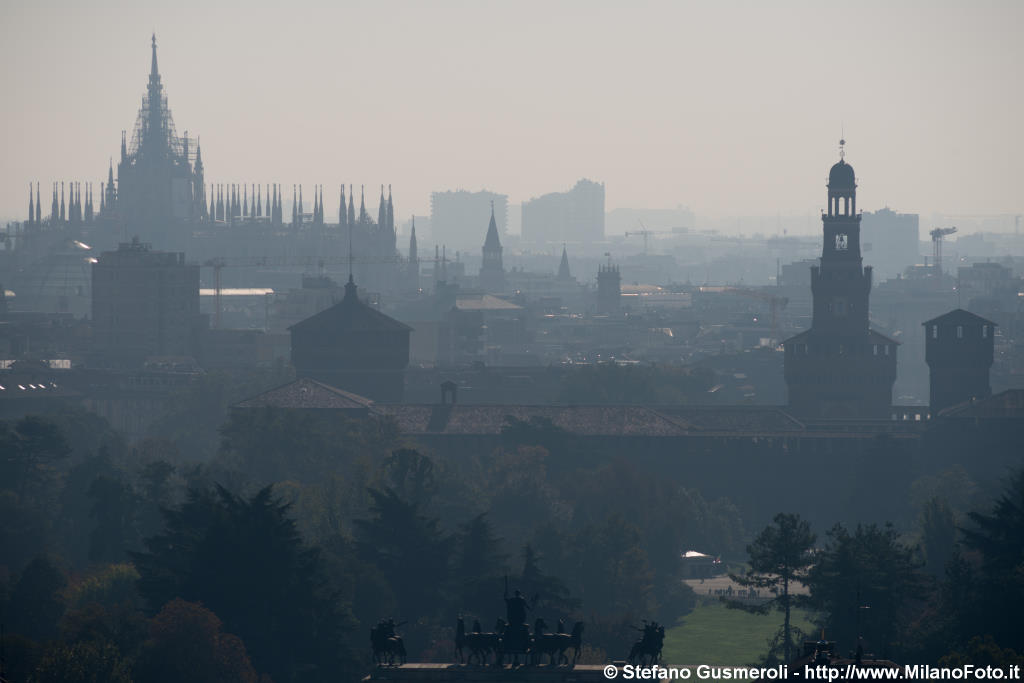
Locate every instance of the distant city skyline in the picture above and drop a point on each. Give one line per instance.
(730, 109)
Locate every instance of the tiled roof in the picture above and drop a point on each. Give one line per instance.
(352, 314)
(308, 394)
(462, 419)
(1006, 404)
(738, 419)
(958, 317)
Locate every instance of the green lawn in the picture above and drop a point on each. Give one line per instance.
(714, 634)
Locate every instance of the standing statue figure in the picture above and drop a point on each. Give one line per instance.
(516, 638)
(515, 609)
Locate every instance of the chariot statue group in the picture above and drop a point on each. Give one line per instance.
(513, 642)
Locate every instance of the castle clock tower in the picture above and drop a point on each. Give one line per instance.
(840, 367)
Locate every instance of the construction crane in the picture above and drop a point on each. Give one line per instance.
(937, 236)
(776, 303)
(645, 233)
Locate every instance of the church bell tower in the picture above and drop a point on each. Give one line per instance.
(840, 368)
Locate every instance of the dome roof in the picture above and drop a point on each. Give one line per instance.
(841, 176)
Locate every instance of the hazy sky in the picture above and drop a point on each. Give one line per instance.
(731, 108)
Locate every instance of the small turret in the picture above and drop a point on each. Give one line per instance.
(111, 191)
(391, 212)
(31, 207)
(295, 208)
(342, 213)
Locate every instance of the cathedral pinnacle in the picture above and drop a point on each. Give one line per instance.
(153, 71)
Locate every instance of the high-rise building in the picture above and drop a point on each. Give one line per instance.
(573, 216)
(890, 241)
(455, 216)
(840, 367)
(144, 303)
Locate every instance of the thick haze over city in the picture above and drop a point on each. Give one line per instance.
(728, 108)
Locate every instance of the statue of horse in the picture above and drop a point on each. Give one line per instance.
(480, 645)
(649, 646)
(387, 645)
(555, 645)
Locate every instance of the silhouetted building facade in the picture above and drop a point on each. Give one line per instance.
(959, 348)
(890, 240)
(573, 216)
(840, 367)
(354, 347)
(455, 215)
(492, 270)
(144, 303)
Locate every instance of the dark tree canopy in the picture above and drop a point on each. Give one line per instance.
(864, 582)
(244, 560)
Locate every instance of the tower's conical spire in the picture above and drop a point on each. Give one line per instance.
(39, 207)
(31, 207)
(563, 267)
(351, 206)
(382, 211)
(492, 241)
(363, 217)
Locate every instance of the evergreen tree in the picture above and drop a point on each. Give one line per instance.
(779, 556)
(244, 560)
(410, 551)
(998, 536)
(479, 565)
(938, 535)
(863, 582)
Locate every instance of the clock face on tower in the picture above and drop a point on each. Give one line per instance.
(841, 241)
